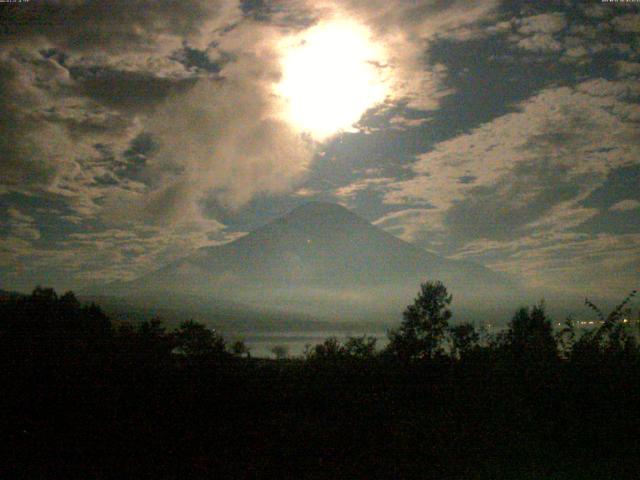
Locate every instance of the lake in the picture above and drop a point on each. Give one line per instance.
(261, 343)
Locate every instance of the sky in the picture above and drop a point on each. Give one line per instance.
(134, 132)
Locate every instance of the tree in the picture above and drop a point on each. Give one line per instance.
(612, 339)
(152, 329)
(195, 339)
(567, 337)
(424, 324)
(361, 347)
(46, 296)
(530, 335)
(355, 348)
(239, 348)
(280, 351)
(95, 320)
(464, 339)
(69, 306)
(150, 340)
(44, 326)
(330, 348)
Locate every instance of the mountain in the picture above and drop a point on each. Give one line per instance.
(321, 260)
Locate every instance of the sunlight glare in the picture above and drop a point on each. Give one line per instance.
(331, 74)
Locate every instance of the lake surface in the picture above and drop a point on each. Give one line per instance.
(261, 343)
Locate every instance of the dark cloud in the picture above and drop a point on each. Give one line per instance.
(618, 199)
(87, 120)
(621, 184)
(503, 210)
(466, 179)
(25, 161)
(55, 54)
(136, 156)
(117, 25)
(199, 61)
(291, 14)
(615, 221)
(126, 89)
(258, 10)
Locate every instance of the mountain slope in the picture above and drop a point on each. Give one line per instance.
(320, 259)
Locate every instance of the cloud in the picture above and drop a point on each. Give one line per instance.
(540, 42)
(628, 23)
(18, 233)
(21, 226)
(134, 114)
(595, 10)
(565, 131)
(197, 77)
(421, 226)
(27, 158)
(84, 259)
(406, 29)
(226, 138)
(626, 205)
(137, 113)
(568, 33)
(305, 192)
(627, 68)
(403, 123)
(545, 23)
(512, 205)
(561, 264)
(532, 170)
(81, 105)
(348, 192)
(128, 90)
(117, 26)
(537, 32)
(50, 132)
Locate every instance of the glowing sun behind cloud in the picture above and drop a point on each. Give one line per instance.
(331, 74)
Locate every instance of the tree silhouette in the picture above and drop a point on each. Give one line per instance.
(280, 351)
(613, 339)
(464, 339)
(239, 348)
(530, 335)
(194, 339)
(330, 348)
(77, 389)
(151, 340)
(361, 347)
(424, 324)
(47, 328)
(355, 348)
(567, 337)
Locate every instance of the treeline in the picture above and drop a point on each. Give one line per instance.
(44, 323)
(86, 396)
(425, 334)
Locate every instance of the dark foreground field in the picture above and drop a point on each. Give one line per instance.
(107, 403)
(292, 421)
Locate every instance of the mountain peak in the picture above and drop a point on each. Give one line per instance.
(320, 259)
(322, 216)
(320, 207)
